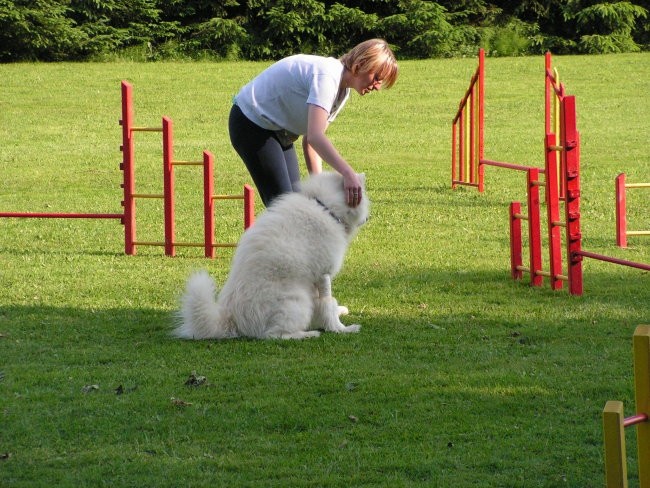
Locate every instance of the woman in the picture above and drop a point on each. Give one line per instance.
(299, 96)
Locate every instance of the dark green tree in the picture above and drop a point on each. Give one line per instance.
(605, 27)
(38, 30)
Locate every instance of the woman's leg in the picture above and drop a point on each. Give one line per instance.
(274, 169)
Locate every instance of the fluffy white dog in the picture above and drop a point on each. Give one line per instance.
(280, 280)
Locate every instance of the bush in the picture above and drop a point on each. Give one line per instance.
(421, 30)
(347, 27)
(221, 37)
(608, 27)
(39, 30)
(288, 27)
(512, 39)
(53, 30)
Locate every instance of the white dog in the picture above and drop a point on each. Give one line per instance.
(280, 281)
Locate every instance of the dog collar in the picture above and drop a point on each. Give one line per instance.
(332, 214)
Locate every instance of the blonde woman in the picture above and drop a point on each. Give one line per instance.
(299, 96)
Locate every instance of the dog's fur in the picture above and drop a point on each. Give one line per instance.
(280, 281)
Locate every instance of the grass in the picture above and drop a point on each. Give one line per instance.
(459, 377)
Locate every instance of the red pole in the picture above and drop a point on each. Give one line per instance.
(127, 166)
(453, 155)
(547, 93)
(208, 203)
(635, 419)
(562, 137)
(553, 213)
(461, 144)
(50, 215)
(609, 259)
(472, 130)
(481, 176)
(571, 155)
(621, 211)
(534, 228)
(249, 206)
(481, 117)
(168, 185)
(515, 241)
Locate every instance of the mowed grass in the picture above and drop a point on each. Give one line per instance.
(460, 376)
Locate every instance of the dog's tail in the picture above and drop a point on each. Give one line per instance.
(200, 317)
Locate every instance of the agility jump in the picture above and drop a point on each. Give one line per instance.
(169, 164)
(562, 182)
(128, 217)
(468, 136)
(615, 422)
(621, 210)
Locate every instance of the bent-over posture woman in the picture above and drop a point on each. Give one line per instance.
(299, 96)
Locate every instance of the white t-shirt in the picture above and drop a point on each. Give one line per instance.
(278, 98)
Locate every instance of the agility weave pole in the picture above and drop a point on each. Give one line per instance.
(168, 197)
(614, 421)
(621, 210)
(562, 184)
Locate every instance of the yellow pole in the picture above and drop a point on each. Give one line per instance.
(642, 397)
(477, 136)
(556, 103)
(468, 127)
(614, 433)
(556, 128)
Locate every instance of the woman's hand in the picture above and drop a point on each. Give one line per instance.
(318, 141)
(353, 187)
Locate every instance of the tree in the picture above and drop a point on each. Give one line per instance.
(37, 30)
(606, 27)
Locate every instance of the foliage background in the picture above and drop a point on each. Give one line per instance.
(73, 30)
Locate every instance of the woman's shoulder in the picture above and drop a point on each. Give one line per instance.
(318, 63)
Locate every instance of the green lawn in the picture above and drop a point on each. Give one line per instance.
(460, 376)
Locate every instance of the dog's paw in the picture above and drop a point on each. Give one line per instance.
(351, 328)
(341, 310)
(299, 335)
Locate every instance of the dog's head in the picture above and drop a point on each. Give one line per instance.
(327, 187)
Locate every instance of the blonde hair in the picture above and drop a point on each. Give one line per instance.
(373, 55)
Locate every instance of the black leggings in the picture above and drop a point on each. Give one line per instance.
(274, 168)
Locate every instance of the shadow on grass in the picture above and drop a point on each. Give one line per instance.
(68, 326)
(404, 290)
(617, 293)
(444, 359)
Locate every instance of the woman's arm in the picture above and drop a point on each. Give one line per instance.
(313, 160)
(318, 141)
